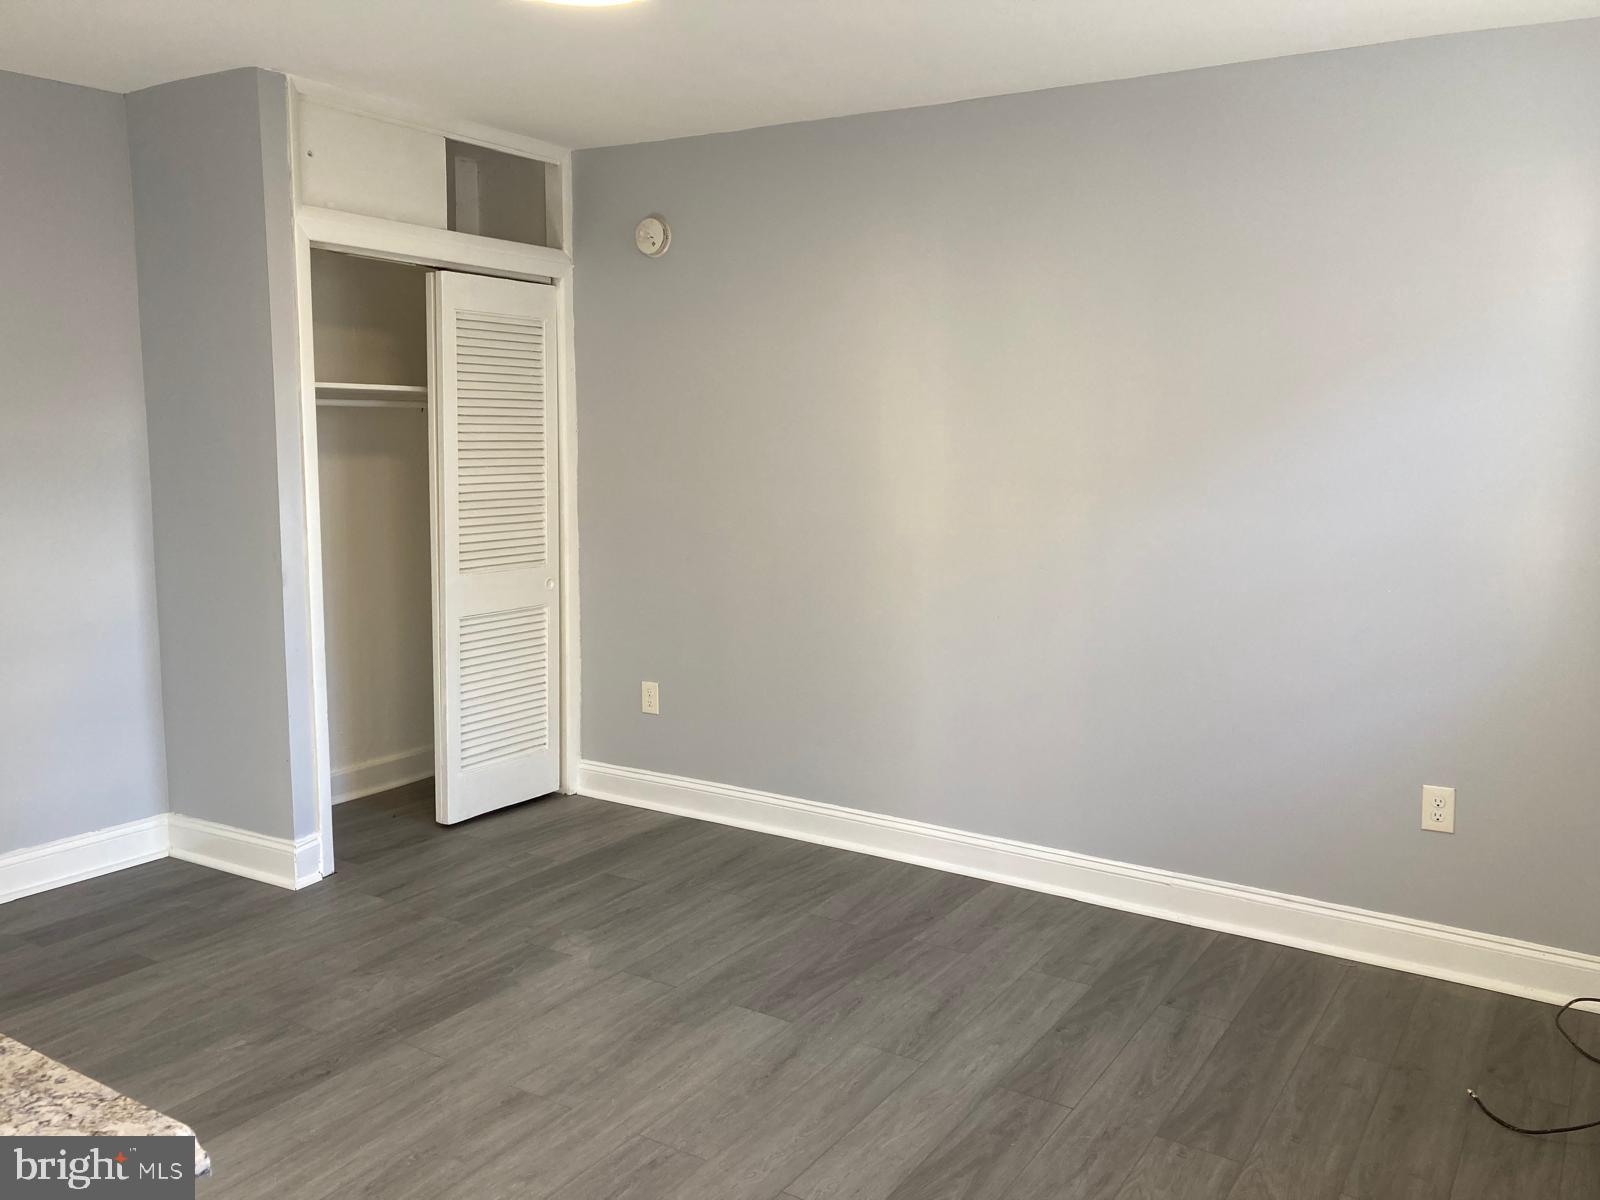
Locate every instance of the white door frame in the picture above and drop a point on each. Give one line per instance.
(372, 237)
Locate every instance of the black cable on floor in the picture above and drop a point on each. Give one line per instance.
(1566, 1033)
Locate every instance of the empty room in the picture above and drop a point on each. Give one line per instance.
(760, 600)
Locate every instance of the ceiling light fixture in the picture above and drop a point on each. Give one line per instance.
(589, 3)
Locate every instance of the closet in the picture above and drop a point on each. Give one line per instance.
(436, 484)
(370, 346)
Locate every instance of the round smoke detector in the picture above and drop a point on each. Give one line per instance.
(652, 235)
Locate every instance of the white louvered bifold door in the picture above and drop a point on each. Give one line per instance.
(496, 621)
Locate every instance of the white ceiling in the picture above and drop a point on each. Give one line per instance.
(666, 68)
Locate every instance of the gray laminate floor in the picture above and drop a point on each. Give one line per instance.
(588, 1002)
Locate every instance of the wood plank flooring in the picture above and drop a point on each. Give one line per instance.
(583, 1001)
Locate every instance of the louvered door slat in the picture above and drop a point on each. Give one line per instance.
(502, 438)
(497, 543)
(504, 723)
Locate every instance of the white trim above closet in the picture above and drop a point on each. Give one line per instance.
(375, 237)
(385, 108)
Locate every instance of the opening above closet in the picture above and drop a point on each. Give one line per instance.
(498, 195)
(351, 162)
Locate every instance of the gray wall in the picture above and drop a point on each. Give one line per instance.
(80, 690)
(213, 201)
(1182, 470)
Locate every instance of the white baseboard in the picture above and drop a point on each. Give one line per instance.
(380, 774)
(278, 861)
(1404, 943)
(55, 864)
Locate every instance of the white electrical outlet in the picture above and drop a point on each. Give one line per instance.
(650, 698)
(1438, 809)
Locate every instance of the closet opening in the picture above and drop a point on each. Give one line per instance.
(370, 348)
(437, 499)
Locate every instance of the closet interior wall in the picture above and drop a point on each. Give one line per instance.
(370, 328)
